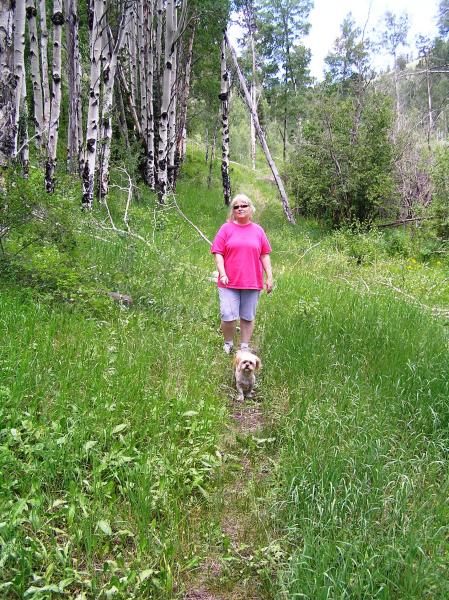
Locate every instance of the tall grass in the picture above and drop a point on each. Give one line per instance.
(363, 466)
(111, 418)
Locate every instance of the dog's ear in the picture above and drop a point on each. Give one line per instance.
(258, 363)
(237, 359)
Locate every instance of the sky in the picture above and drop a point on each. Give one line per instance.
(327, 16)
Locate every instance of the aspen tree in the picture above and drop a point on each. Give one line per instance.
(149, 168)
(171, 140)
(75, 126)
(108, 96)
(142, 15)
(181, 141)
(7, 117)
(132, 41)
(55, 108)
(165, 103)
(35, 71)
(93, 114)
(224, 97)
(44, 66)
(19, 65)
(24, 150)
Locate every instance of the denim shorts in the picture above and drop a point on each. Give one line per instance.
(236, 304)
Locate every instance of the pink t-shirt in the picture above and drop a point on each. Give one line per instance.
(241, 247)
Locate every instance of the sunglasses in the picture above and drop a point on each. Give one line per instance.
(237, 206)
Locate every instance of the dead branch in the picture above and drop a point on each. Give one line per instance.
(197, 229)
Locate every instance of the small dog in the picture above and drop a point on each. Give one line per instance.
(246, 364)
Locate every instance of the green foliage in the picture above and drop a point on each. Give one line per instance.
(440, 202)
(342, 167)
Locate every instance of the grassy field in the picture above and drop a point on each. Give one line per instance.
(112, 418)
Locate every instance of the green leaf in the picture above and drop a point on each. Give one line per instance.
(119, 428)
(90, 444)
(145, 574)
(190, 413)
(105, 527)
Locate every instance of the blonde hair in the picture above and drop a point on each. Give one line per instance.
(241, 198)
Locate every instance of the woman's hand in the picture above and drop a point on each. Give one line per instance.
(224, 279)
(269, 285)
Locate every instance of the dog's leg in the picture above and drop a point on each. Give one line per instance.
(240, 395)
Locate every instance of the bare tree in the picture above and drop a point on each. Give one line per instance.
(261, 136)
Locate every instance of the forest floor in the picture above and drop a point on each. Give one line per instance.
(129, 469)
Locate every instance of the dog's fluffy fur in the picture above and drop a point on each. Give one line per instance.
(246, 364)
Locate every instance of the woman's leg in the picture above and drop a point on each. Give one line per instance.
(229, 311)
(248, 306)
(246, 331)
(228, 329)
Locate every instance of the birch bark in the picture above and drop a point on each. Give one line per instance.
(224, 97)
(261, 136)
(171, 142)
(19, 65)
(90, 152)
(184, 99)
(55, 108)
(75, 132)
(108, 96)
(150, 110)
(142, 15)
(24, 151)
(44, 67)
(7, 81)
(35, 71)
(165, 104)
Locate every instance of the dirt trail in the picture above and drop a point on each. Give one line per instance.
(227, 572)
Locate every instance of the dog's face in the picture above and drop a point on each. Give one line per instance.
(247, 362)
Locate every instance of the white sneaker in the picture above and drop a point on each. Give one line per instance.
(228, 348)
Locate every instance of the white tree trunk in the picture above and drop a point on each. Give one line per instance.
(35, 71)
(224, 97)
(108, 97)
(74, 132)
(149, 168)
(261, 136)
(184, 98)
(172, 109)
(159, 28)
(55, 108)
(19, 65)
(24, 150)
(90, 153)
(165, 104)
(44, 67)
(7, 116)
(142, 14)
(133, 64)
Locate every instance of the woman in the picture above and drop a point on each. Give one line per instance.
(242, 253)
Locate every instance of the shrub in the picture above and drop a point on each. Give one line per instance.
(342, 168)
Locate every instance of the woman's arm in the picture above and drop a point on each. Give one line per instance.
(266, 264)
(219, 261)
